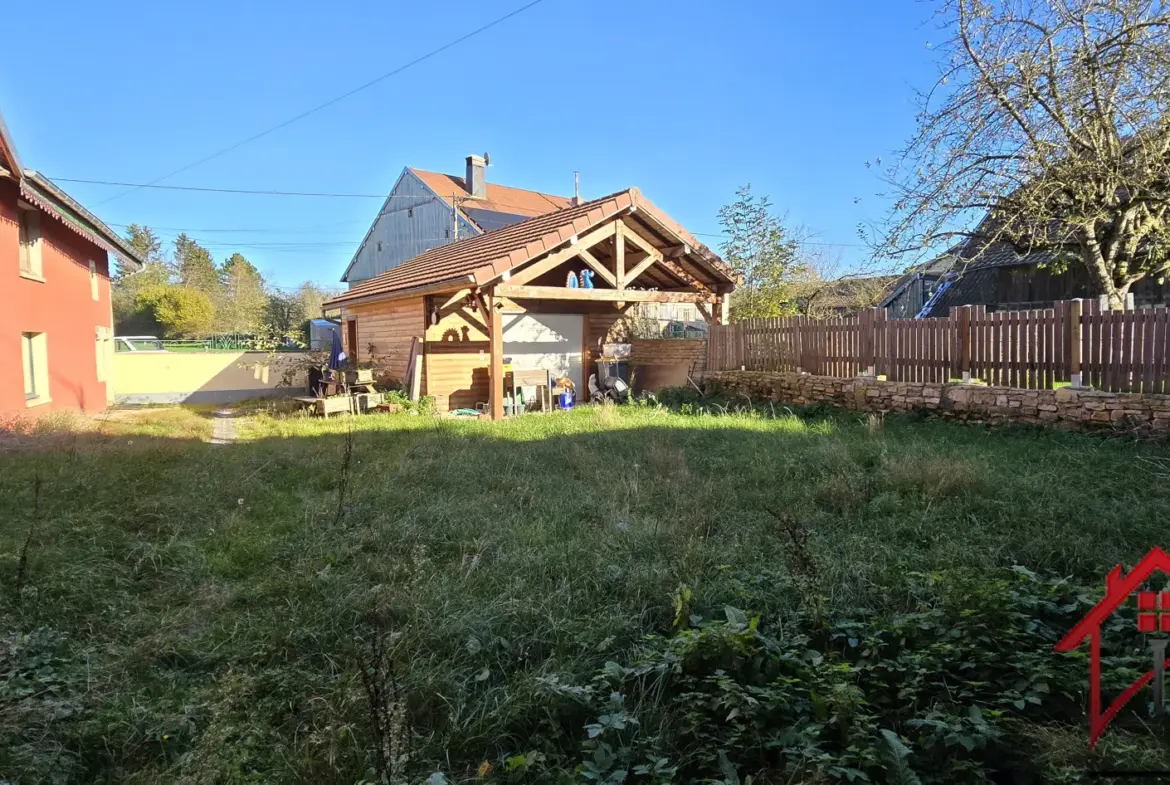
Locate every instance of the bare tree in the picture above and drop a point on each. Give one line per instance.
(1049, 119)
(830, 287)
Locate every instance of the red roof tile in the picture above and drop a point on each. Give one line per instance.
(500, 198)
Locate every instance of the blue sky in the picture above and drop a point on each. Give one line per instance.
(686, 100)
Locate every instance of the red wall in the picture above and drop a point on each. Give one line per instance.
(62, 307)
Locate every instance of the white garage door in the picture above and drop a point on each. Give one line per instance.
(552, 341)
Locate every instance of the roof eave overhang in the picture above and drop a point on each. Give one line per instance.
(446, 285)
(43, 193)
(700, 254)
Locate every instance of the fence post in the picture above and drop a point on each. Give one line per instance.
(800, 342)
(712, 333)
(741, 329)
(964, 337)
(865, 328)
(1072, 338)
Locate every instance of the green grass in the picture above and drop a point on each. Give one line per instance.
(203, 614)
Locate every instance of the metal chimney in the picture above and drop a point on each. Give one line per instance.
(476, 179)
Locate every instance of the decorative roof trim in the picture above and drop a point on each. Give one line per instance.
(49, 198)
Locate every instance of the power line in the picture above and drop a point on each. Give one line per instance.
(241, 230)
(799, 242)
(153, 184)
(337, 99)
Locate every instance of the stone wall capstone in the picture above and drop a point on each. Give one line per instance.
(1068, 407)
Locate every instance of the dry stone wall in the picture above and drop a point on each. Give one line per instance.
(1068, 407)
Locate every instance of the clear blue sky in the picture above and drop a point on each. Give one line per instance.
(686, 100)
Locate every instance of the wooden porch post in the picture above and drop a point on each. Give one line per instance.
(496, 367)
(723, 308)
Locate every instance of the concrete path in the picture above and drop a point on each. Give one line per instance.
(225, 426)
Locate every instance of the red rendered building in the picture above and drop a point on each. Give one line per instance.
(56, 346)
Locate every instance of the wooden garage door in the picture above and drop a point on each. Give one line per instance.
(553, 341)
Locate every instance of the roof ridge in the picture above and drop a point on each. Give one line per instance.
(463, 179)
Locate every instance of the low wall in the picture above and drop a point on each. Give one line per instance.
(203, 377)
(1067, 407)
(658, 362)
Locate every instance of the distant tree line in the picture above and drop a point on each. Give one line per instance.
(187, 295)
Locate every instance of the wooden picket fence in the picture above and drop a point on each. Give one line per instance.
(1075, 341)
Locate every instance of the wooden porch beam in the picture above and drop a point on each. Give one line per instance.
(619, 254)
(681, 274)
(558, 258)
(459, 295)
(496, 368)
(600, 295)
(643, 243)
(598, 267)
(640, 268)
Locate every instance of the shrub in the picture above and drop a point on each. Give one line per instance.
(182, 312)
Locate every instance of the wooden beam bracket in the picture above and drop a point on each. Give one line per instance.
(602, 295)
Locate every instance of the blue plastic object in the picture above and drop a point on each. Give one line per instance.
(571, 281)
(567, 400)
(586, 279)
(934, 298)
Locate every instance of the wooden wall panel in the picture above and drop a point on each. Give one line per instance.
(384, 332)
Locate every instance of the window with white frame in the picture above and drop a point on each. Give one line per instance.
(93, 279)
(34, 356)
(30, 243)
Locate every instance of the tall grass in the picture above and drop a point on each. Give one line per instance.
(204, 615)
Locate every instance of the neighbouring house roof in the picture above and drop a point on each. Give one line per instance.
(500, 199)
(503, 205)
(47, 196)
(843, 293)
(975, 270)
(931, 270)
(477, 259)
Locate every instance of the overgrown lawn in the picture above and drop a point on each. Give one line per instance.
(393, 596)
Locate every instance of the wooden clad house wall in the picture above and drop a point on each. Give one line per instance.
(456, 360)
(384, 332)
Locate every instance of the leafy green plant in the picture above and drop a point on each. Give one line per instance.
(955, 672)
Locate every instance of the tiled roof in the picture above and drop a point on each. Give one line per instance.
(490, 254)
(500, 198)
(976, 276)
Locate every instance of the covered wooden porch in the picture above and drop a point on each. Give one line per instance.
(619, 251)
(633, 257)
